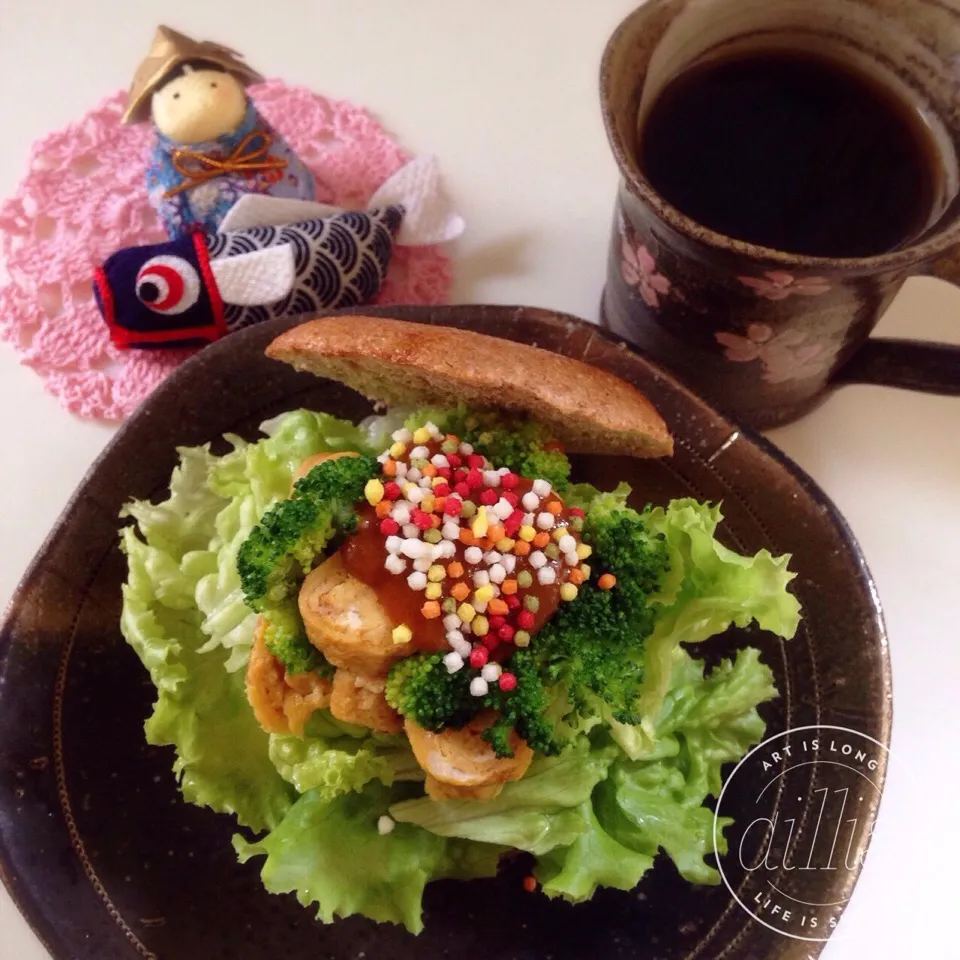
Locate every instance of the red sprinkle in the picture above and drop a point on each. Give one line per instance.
(391, 490)
(444, 472)
(454, 459)
(496, 621)
(512, 601)
(489, 497)
(421, 518)
(462, 489)
(529, 882)
(452, 506)
(478, 657)
(474, 477)
(475, 461)
(491, 641)
(389, 526)
(505, 632)
(510, 497)
(507, 681)
(459, 476)
(509, 480)
(525, 620)
(441, 490)
(576, 512)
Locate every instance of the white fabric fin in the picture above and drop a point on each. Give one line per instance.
(257, 278)
(257, 210)
(428, 214)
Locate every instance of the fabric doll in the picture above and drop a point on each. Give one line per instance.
(211, 145)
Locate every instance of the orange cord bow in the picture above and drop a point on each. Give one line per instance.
(243, 159)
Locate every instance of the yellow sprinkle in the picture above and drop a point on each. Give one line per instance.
(436, 481)
(585, 570)
(397, 450)
(433, 591)
(436, 573)
(480, 626)
(521, 639)
(421, 435)
(402, 634)
(480, 523)
(427, 503)
(373, 491)
(466, 612)
(568, 592)
(506, 545)
(527, 533)
(484, 593)
(558, 532)
(584, 550)
(407, 487)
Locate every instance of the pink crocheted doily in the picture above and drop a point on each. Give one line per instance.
(84, 197)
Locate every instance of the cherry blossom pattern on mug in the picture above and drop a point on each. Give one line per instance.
(778, 285)
(639, 269)
(786, 356)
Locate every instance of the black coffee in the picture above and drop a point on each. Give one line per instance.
(792, 151)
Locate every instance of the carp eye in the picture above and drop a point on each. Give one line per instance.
(168, 284)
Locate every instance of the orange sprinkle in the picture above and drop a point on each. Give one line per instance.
(521, 548)
(435, 520)
(383, 508)
(455, 569)
(606, 581)
(554, 507)
(460, 591)
(466, 536)
(438, 503)
(452, 438)
(498, 607)
(575, 576)
(495, 533)
(389, 468)
(431, 609)
(541, 539)
(484, 543)
(508, 587)
(530, 883)
(428, 470)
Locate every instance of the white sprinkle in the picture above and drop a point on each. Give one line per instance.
(503, 470)
(478, 687)
(453, 662)
(433, 428)
(451, 622)
(456, 640)
(414, 548)
(502, 509)
(426, 483)
(571, 559)
(419, 453)
(401, 512)
(530, 501)
(396, 565)
(528, 519)
(567, 544)
(491, 478)
(498, 573)
(401, 470)
(414, 494)
(466, 449)
(417, 580)
(546, 520)
(480, 606)
(547, 575)
(411, 531)
(473, 555)
(384, 457)
(385, 825)
(403, 435)
(393, 543)
(439, 460)
(450, 531)
(491, 556)
(481, 578)
(446, 550)
(538, 559)
(490, 672)
(509, 563)
(541, 488)
(422, 563)
(413, 474)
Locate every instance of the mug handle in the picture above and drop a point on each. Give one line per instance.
(910, 364)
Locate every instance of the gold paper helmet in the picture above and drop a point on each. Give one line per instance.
(168, 49)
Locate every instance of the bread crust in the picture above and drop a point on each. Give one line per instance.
(399, 362)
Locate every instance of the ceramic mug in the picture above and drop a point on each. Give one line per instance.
(762, 333)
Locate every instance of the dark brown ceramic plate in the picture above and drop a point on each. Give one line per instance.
(107, 862)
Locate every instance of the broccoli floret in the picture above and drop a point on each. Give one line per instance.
(285, 638)
(420, 687)
(292, 532)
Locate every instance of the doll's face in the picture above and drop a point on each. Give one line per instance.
(198, 105)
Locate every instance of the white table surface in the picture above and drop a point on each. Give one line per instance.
(506, 94)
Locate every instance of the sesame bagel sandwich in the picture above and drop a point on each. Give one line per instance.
(397, 650)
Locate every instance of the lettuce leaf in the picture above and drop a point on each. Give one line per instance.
(331, 853)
